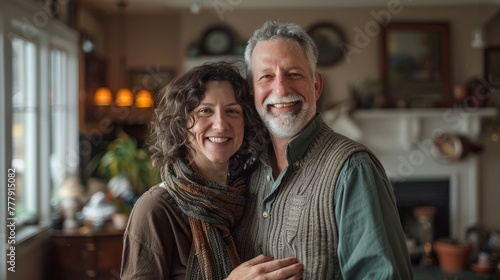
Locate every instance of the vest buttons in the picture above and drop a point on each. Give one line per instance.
(265, 214)
(268, 178)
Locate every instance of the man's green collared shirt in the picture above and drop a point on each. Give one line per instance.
(363, 214)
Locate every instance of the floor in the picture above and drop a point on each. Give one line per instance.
(434, 273)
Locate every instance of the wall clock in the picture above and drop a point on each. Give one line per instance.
(217, 40)
(331, 42)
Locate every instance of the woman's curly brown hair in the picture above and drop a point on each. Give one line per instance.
(169, 128)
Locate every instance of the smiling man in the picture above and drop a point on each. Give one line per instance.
(316, 195)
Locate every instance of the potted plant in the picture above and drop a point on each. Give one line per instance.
(129, 172)
(123, 206)
(452, 254)
(124, 159)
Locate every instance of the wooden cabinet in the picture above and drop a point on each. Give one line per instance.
(92, 255)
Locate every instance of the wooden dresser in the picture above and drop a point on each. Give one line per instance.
(86, 254)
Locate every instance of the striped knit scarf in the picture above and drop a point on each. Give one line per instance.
(212, 210)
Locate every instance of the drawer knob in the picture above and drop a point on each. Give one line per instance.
(91, 273)
(91, 247)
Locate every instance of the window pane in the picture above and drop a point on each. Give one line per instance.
(58, 111)
(24, 126)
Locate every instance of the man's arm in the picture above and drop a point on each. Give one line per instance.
(371, 239)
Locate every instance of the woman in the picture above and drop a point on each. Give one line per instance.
(205, 137)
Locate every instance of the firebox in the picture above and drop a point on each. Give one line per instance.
(423, 192)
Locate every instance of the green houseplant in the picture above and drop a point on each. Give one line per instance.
(123, 158)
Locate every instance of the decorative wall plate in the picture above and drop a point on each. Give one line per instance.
(331, 42)
(217, 41)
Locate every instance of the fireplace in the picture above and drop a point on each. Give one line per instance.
(402, 140)
(421, 193)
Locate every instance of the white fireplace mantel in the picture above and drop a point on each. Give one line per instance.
(402, 140)
(391, 130)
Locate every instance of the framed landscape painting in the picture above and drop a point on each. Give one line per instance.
(416, 64)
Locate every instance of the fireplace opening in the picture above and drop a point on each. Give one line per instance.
(423, 192)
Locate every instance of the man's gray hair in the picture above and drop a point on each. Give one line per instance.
(276, 30)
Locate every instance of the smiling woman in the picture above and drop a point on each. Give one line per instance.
(206, 137)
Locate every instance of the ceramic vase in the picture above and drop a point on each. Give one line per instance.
(120, 220)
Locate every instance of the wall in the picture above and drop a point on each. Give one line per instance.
(492, 28)
(466, 61)
(150, 42)
(490, 193)
(31, 256)
(91, 24)
(163, 40)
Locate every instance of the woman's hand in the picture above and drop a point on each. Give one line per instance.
(267, 268)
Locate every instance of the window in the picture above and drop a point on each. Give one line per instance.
(24, 127)
(39, 113)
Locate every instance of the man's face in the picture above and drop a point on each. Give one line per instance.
(285, 90)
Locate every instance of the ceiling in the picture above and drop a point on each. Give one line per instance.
(158, 6)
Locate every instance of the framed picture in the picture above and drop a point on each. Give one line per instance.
(416, 64)
(150, 78)
(329, 39)
(492, 65)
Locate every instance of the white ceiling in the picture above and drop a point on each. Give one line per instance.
(158, 6)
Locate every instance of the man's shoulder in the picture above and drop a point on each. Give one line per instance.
(332, 141)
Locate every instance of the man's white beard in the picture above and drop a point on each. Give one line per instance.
(285, 125)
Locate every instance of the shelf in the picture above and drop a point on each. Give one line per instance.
(401, 130)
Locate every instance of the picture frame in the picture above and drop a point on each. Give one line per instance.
(492, 66)
(150, 78)
(330, 40)
(415, 60)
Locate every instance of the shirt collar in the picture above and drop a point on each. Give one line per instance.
(298, 146)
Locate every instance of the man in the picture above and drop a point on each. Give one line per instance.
(316, 195)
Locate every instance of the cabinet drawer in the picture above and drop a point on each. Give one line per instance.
(86, 256)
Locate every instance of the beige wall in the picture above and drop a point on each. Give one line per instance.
(31, 258)
(150, 43)
(490, 168)
(466, 62)
(490, 184)
(162, 40)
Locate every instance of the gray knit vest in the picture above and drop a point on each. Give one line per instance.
(303, 223)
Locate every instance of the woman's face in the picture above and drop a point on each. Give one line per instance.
(219, 125)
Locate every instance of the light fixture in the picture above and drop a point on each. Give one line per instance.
(143, 99)
(477, 41)
(124, 96)
(195, 6)
(103, 97)
(87, 43)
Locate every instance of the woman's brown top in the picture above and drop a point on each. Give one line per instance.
(152, 231)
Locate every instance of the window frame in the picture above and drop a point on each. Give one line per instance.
(47, 36)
